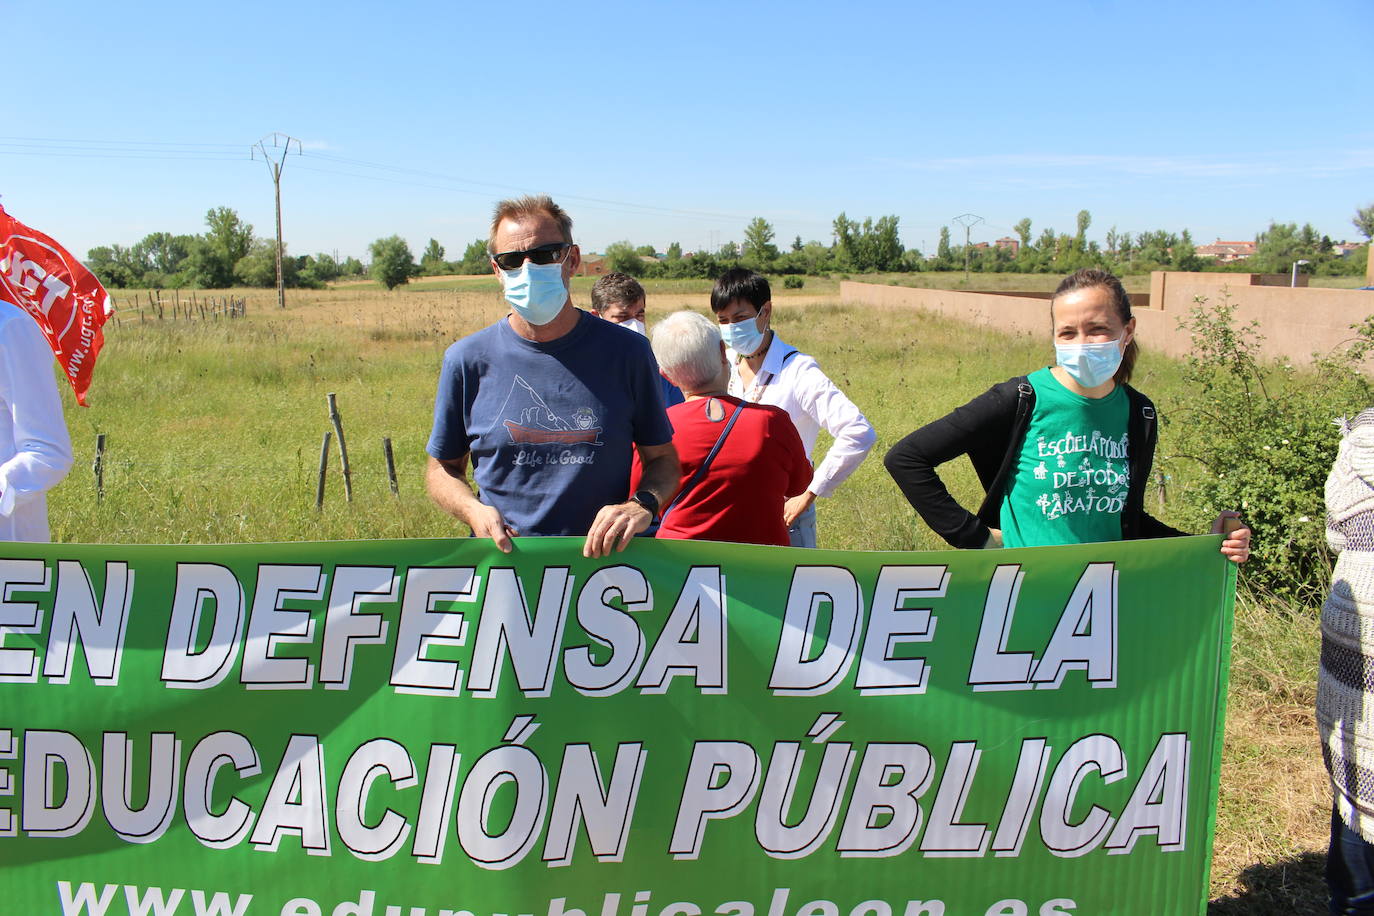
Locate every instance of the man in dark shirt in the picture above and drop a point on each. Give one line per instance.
(548, 404)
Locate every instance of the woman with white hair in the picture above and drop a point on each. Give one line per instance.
(740, 461)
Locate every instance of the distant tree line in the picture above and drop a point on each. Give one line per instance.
(874, 245)
(228, 254)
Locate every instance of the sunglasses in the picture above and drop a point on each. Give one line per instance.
(552, 253)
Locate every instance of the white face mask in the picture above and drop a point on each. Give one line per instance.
(744, 337)
(1090, 364)
(634, 324)
(536, 291)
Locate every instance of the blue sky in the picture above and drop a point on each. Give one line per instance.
(661, 122)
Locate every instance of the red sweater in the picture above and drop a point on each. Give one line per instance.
(740, 499)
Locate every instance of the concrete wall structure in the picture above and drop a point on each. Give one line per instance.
(1295, 322)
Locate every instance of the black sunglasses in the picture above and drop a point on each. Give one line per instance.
(552, 253)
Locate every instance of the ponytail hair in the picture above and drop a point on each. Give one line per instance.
(1090, 278)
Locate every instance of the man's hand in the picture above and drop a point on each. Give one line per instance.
(613, 528)
(486, 522)
(794, 507)
(994, 539)
(447, 483)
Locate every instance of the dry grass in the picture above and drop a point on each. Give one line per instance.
(214, 429)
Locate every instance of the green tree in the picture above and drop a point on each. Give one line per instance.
(759, 250)
(1279, 246)
(886, 247)
(392, 262)
(1080, 238)
(111, 264)
(432, 261)
(212, 258)
(352, 267)
(1185, 253)
(320, 269)
(674, 252)
(1364, 221)
(845, 232)
(944, 255)
(475, 259)
(164, 252)
(1023, 230)
(797, 245)
(259, 266)
(623, 258)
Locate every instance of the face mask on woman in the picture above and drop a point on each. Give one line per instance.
(1090, 364)
(535, 291)
(744, 337)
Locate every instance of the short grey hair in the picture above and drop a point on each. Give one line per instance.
(687, 346)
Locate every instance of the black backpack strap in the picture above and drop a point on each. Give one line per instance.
(705, 464)
(1025, 402)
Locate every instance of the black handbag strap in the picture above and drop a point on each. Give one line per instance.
(705, 464)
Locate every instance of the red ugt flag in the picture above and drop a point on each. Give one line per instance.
(65, 298)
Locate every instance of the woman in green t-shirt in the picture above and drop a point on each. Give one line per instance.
(1063, 453)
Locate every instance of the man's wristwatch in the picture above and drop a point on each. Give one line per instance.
(648, 500)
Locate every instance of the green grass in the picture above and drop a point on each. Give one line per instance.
(214, 434)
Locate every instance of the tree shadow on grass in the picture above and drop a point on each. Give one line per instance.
(1291, 887)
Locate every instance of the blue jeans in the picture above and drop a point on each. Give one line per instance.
(1349, 870)
(802, 532)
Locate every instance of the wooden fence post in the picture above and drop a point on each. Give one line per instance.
(324, 466)
(335, 419)
(390, 465)
(98, 466)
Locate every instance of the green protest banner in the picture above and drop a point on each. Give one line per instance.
(416, 728)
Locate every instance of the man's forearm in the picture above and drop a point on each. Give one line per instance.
(448, 487)
(660, 477)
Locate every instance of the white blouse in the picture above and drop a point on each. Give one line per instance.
(35, 450)
(794, 381)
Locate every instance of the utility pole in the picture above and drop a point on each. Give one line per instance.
(968, 221)
(276, 159)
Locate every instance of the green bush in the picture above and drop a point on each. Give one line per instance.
(1260, 438)
(793, 282)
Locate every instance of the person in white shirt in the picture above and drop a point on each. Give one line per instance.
(35, 450)
(765, 370)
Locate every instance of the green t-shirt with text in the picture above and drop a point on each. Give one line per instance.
(1071, 478)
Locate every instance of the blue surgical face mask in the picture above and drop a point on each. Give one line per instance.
(1090, 364)
(744, 337)
(536, 291)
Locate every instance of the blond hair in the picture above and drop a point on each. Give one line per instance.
(529, 205)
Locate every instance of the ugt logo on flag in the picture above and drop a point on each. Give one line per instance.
(65, 298)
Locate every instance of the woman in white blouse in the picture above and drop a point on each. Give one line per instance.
(765, 370)
(35, 450)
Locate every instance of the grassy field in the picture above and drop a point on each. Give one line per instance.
(214, 428)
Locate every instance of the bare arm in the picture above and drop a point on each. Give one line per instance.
(447, 484)
(615, 525)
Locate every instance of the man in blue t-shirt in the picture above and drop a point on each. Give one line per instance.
(548, 405)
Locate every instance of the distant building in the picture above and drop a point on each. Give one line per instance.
(593, 265)
(1226, 252)
(1010, 244)
(1345, 249)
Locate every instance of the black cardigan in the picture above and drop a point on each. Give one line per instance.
(990, 430)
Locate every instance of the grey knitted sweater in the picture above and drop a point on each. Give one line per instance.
(1345, 682)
